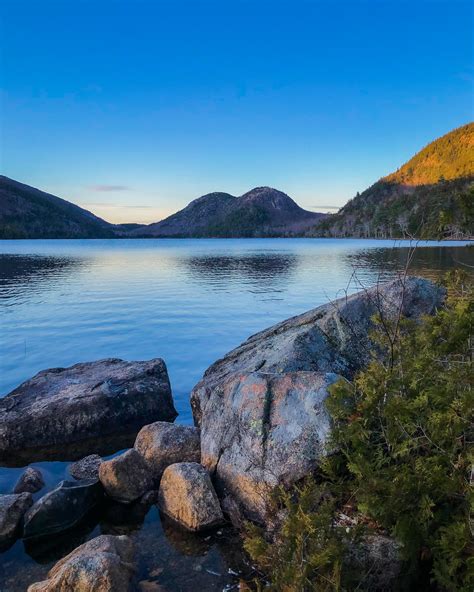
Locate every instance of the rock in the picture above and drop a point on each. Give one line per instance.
(187, 495)
(261, 407)
(62, 508)
(86, 468)
(126, 477)
(65, 405)
(162, 444)
(103, 564)
(334, 337)
(260, 431)
(376, 560)
(12, 510)
(30, 481)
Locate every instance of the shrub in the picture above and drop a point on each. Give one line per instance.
(404, 433)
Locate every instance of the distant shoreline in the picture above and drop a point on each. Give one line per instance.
(468, 241)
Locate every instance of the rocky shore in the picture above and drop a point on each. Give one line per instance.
(260, 423)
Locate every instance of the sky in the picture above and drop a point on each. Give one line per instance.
(132, 108)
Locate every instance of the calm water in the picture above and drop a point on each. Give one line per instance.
(187, 301)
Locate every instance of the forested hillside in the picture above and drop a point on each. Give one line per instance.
(430, 196)
(27, 212)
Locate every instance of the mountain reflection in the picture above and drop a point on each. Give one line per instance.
(423, 261)
(258, 270)
(32, 273)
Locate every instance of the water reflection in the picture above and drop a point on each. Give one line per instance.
(177, 560)
(20, 275)
(50, 549)
(169, 557)
(120, 519)
(104, 446)
(423, 261)
(262, 270)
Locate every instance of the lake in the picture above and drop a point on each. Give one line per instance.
(189, 302)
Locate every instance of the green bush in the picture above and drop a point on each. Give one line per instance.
(404, 433)
(308, 551)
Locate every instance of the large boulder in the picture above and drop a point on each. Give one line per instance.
(261, 408)
(12, 510)
(30, 481)
(260, 431)
(62, 508)
(126, 477)
(162, 444)
(187, 496)
(61, 406)
(103, 564)
(334, 337)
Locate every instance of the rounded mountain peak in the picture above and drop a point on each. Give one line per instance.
(211, 197)
(269, 197)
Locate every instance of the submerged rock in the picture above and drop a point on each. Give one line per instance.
(12, 510)
(86, 468)
(162, 444)
(62, 508)
(103, 564)
(97, 399)
(334, 337)
(46, 550)
(118, 518)
(30, 481)
(260, 431)
(126, 477)
(186, 494)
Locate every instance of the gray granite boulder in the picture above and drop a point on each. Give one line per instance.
(30, 481)
(162, 444)
(261, 408)
(12, 510)
(260, 431)
(103, 564)
(86, 468)
(61, 406)
(126, 477)
(187, 496)
(62, 508)
(334, 337)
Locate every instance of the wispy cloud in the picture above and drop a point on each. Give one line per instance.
(109, 188)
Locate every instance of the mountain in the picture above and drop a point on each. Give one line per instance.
(26, 212)
(432, 195)
(263, 211)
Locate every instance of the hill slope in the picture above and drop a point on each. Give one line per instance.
(430, 195)
(26, 212)
(263, 211)
(449, 157)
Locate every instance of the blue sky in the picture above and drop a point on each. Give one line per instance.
(132, 108)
